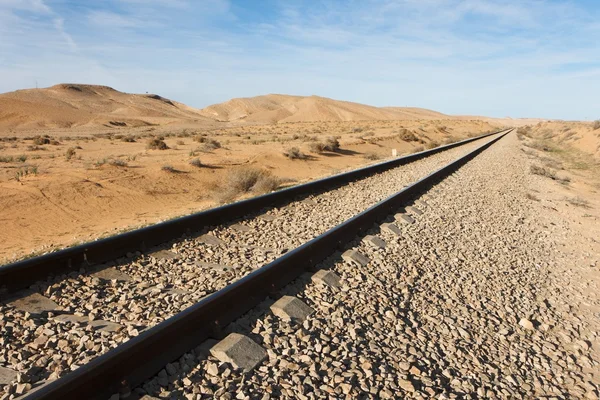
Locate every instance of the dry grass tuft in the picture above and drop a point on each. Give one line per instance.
(70, 153)
(330, 144)
(578, 202)
(372, 156)
(156, 144)
(548, 173)
(596, 124)
(196, 163)
(432, 145)
(407, 136)
(294, 153)
(243, 180)
(168, 168)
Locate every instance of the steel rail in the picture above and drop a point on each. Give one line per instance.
(130, 364)
(22, 274)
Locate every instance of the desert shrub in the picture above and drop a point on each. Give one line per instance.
(371, 156)
(357, 130)
(180, 142)
(22, 158)
(578, 202)
(196, 163)
(6, 159)
(432, 145)
(35, 147)
(128, 139)
(596, 124)
(29, 170)
(548, 173)
(118, 163)
(157, 144)
(244, 180)
(41, 140)
(407, 136)
(208, 144)
(70, 153)
(418, 148)
(294, 153)
(330, 144)
(168, 168)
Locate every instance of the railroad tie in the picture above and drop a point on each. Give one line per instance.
(291, 308)
(327, 278)
(404, 218)
(374, 241)
(391, 229)
(355, 257)
(240, 351)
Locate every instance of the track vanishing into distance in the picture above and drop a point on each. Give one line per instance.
(106, 316)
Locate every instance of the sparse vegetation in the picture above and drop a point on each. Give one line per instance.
(35, 147)
(578, 202)
(118, 163)
(294, 153)
(24, 171)
(6, 159)
(407, 136)
(432, 145)
(247, 179)
(330, 144)
(596, 124)
(180, 142)
(128, 139)
(548, 173)
(157, 144)
(70, 153)
(168, 168)
(371, 156)
(196, 163)
(41, 140)
(418, 148)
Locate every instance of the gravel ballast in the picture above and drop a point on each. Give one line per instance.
(470, 302)
(147, 289)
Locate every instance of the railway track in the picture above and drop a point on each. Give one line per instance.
(228, 254)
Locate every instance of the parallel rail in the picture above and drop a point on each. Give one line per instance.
(130, 364)
(22, 274)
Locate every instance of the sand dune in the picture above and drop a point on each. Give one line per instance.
(76, 105)
(275, 108)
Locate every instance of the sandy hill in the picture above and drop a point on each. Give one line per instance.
(273, 108)
(77, 105)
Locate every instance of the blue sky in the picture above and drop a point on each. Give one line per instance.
(518, 58)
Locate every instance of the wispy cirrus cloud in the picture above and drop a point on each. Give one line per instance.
(534, 56)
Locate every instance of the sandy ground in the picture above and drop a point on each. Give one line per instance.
(111, 185)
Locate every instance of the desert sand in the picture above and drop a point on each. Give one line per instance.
(75, 162)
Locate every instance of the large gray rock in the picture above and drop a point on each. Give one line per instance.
(35, 303)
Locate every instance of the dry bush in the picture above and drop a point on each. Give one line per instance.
(407, 136)
(70, 153)
(156, 144)
(247, 179)
(168, 168)
(6, 159)
(596, 124)
(330, 144)
(196, 163)
(537, 170)
(294, 153)
(578, 202)
(41, 140)
(418, 149)
(432, 145)
(371, 156)
(180, 142)
(539, 145)
(128, 139)
(118, 163)
(35, 147)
